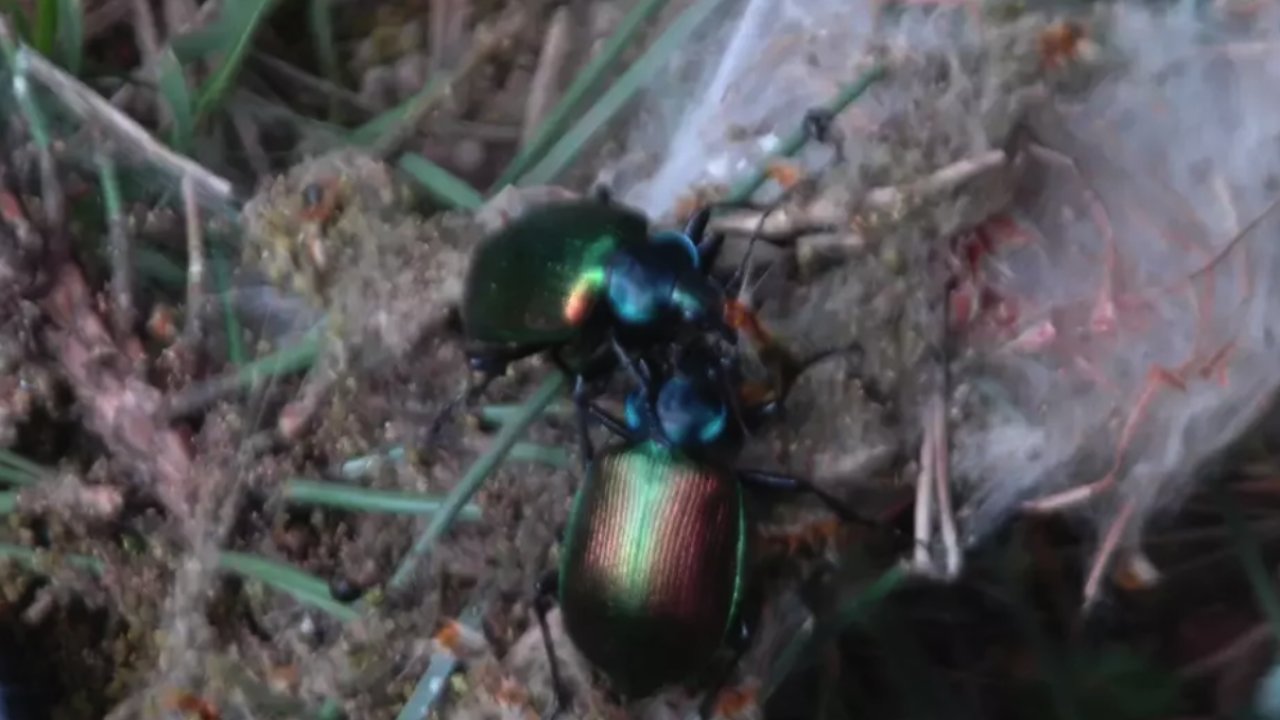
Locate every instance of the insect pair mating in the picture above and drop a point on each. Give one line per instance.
(654, 574)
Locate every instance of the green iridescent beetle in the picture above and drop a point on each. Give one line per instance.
(654, 561)
(566, 276)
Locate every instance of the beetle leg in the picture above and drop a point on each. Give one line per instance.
(583, 406)
(789, 483)
(611, 423)
(545, 591)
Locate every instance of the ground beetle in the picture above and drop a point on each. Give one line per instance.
(653, 570)
(565, 276)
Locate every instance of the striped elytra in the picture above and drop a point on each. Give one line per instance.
(652, 569)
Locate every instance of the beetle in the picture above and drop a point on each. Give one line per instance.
(653, 573)
(565, 275)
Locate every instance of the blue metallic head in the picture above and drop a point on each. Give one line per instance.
(663, 276)
(688, 415)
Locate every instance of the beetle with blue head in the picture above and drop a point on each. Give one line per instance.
(567, 278)
(653, 574)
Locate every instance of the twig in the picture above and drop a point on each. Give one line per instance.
(247, 130)
(316, 84)
(195, 261)
(542, 88)
(200, 395)
(947, 178)
(91, 107)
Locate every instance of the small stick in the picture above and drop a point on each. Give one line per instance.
(546, 78)
(944, 179)
(195, 261)
(1102, 560)
(924, 500)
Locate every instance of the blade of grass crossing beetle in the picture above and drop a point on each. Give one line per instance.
(33, 470)
(242, 20)
(566, 150)
(71, 34)
(584, 84)
(222, 279)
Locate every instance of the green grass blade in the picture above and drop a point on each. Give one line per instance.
(461, 494)
(443, 186)
(242, 25)
(22, 471)
(320, 20)
(46, 26)
(222, 280)
(176, 94)
(791, 145)
(567, 148)
(305, 588)
(17, 15)
(31, 558)
(586, 82)
(199, 44)
(70, 33)
(17, 60)
(363, 499)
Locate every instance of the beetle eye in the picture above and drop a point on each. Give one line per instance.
(689, 416)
